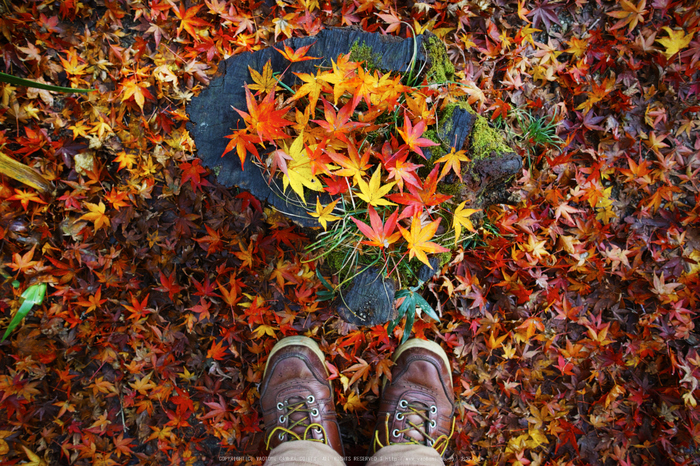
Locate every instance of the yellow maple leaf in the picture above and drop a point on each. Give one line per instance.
(313, 84)
(461, 219)
(323, 214)
(135, 89)
(373, 193)
(264, 329)
(96, 215)
(353, 403)
(675, 41)
(264, 82)
(299, 173)
(34, 459)
(419, 240)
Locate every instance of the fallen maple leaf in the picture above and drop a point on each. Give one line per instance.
(461, 219)
(381, 235)
(418, 240)
(675, 41)
(263, 119)
(323, 214)
(629, 15)
(243, 142)
(373, 193)
(188, 20)
(96, 215)
(452, 162)
(264, 82)
(299, 173)
(297, 55)
(412, 135)
(25, 196)
(34, 459)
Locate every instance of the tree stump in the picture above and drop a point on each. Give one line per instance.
(369, 300)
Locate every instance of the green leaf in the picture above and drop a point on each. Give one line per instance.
(323, 281)
(8, 78)
(427, 308)
(32, 295)
(410, 316)
(324, 295)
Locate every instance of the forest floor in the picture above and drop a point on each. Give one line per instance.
(569, 322)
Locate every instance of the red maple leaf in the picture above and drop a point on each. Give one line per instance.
(193, 172)
(169, 285)
(416, 199)
(338, 124)
(243, 142)
(263, 119)
(381, 235)
(412, 135)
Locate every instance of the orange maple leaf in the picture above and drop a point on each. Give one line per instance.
(263, 119)
(96, 215)
(419, 240)
(188, 20)
(297, 55)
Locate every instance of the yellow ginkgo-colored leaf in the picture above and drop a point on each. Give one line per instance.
(675, 41)
(264, 82)
(324, 214)
(419, 240)
(461, 219)
(299, 173)
(96, 215)
(34, 459)
(374, 192)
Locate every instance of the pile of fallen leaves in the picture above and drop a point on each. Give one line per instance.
(569, 320)
(346, 155)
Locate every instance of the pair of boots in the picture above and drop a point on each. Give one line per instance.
(417, 404)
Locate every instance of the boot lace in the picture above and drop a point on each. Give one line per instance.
(297, 413)
(405, 409)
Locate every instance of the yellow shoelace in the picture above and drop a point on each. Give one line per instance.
(298, 408)
(440, 443)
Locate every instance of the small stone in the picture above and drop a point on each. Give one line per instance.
(84, 162)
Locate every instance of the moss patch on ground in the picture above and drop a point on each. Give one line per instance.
(361, 52)
(486, 140)
(441, 68)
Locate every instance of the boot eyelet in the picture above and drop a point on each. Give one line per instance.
(399, 416)
(314, 412)
(433, 409)
(433, 424)
(403, 404)
(318, 431)
(280, 406)
(395, 433)
(430, 443)
(310, 399)
(282, 419)
(280, 436)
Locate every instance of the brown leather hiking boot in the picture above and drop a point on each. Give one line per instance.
(417, 406)
(296, 396)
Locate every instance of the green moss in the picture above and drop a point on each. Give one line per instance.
(441, 68)
(486, 140)
(334, 260)
(451, 189)
(363, 52)
(445, 257)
